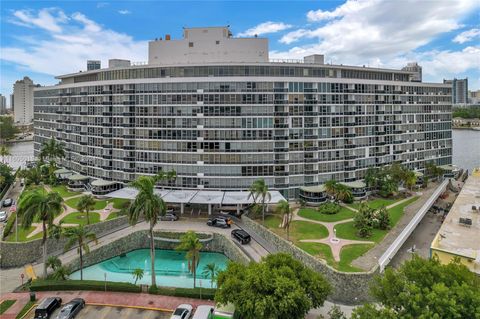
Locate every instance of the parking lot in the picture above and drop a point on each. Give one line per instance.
(103, 312)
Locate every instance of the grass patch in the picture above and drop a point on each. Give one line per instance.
(119, 203)
(348, 231)
(23, 233)
(81, 218)
(272, 221)
(298, 229)
(313, 214)
(112, 216)
(377, 203)
(5, 305)
(397, 212)
(63, 191)
(349, 253)
(25, 309)
(318, 250)
(99, 204)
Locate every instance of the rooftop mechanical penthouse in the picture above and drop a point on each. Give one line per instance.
(213, 108)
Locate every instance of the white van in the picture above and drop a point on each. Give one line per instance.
(203, 312)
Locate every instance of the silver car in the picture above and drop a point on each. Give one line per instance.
(183, 311)
(3, 216)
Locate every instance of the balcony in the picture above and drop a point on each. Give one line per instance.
(350, 124)
(350, 134)
(128, 147)
(349, 146)
(280, 114)
(281, 137)
(128, 102)
(280, 125)
(280, 173)
(107, 113)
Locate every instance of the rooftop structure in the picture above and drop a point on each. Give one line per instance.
(459, 235)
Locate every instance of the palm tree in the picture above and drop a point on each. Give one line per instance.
(283, 208)
(56, 231)
(54, 262)
(259, 190)
(137, 274)
(4, 152)
(410, 179)
(61, 273)
(151, 207)
(52, 150)
(166, 176)
(331, 187)
(344, 193)
(85, 205)
(80, 236)
(190, 243)
(38, 204)
(211, 271)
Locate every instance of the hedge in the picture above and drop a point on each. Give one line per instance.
(206, 293)
(48, 285)
(6, 304)
(9, 225)
(329, 208)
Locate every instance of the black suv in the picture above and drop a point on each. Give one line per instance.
(47, 307)
(242, 236)
(220, 221)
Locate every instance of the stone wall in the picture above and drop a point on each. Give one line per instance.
(20, 254)
(348, 288)
(140, 239)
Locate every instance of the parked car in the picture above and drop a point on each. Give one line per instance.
(183, 311)
(242, 236)
(169, 217)
(47, 307)
(203, 312)
(7, 202)
(71, 309)
(3, 216)
(220, 221)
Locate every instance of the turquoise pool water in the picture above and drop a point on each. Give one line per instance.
(171, 268)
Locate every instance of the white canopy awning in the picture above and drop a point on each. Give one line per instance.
(232, 198)
(179, 196)
(207, 197)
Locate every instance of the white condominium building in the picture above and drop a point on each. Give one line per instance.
(215, 109)
(23, 101)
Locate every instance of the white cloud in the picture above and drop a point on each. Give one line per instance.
(265, 28)
(124, 12)
(467, 36)
(66, 49)
(49, 19)
(348, 7)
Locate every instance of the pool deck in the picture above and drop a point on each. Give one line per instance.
(117, 299)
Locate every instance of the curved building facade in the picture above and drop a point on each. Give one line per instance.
(221, 121)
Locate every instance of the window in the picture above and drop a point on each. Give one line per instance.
(217, 42)
(190, 44)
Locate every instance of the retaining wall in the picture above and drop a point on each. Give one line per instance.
(348, 288)
(22, 253)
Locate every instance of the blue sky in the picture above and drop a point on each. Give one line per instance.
(42, 39)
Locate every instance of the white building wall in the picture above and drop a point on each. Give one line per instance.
(23, 97)
(207, 45)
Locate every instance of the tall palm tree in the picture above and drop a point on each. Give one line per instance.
(151, 207)
(4, 152)
(190, 243)
(38, 204)
(54, 262)
(410, 179)
(137, 274)
(211, 271)
(80, 236)
(283, 208)
(85, 205)
(52, 150)
(166, 176)
(331, 187)
(259, 190)
(343, 193)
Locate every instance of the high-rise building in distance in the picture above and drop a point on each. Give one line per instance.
(213, 108)
(415, 69)
(459, 90)
(3, 104)
(23, 101)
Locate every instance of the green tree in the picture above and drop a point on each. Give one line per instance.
(137, 274)
(43, 206)
(80, 236)
(190, 243)
(4, 151)
(61, 273)
(151, 207)
(211, 271)
(53, 262)
(167, 176)
(56, 231)
(362, 221)
(7, 128)
(424, 288)
(259, 190)
(85, 205)
(343, 193)
(331, 187)
(383, 218)
(372, 177)
(6, 173)
(410, 180)
(283, 208)
(51, 150)
(336, 313)
(279, 286)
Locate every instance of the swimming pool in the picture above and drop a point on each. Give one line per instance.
(171, 268)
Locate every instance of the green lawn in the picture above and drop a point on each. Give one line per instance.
(119, 203)
(5, 305)
(81, 219)
(22, 234)
(311, 213)
(99, 204)
(350, 253)
(377, 203)
(319, 250)
(298, 229)
(63, 191)
(112, 216)
(397, 211)
(271, 221)
(29, 305)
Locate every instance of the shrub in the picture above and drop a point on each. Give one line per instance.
(9, 225)
(206, 293)
(49, 285)
(329, 208)
(5, 305)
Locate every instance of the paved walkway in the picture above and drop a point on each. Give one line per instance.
(166, 303)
